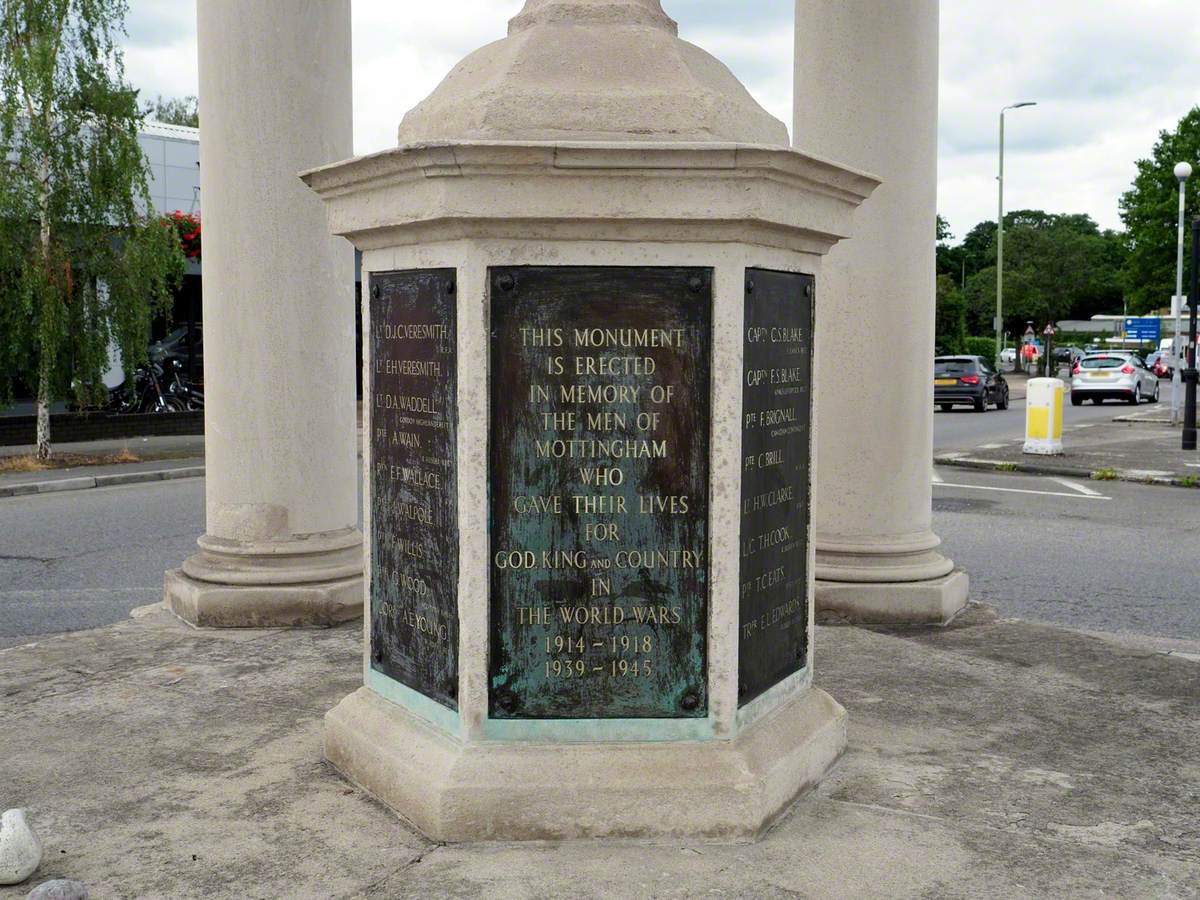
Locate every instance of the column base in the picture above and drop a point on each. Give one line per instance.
(282, 606)
(453, 791)
(309, 580)
(932, 602)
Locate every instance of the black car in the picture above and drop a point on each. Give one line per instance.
(968, 381)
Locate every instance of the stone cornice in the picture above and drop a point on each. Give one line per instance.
(608, 191)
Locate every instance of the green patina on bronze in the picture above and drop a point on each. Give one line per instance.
(598, 476)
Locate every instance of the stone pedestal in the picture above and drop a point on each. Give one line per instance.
(866, 93)
(589, 555)
(282, 545)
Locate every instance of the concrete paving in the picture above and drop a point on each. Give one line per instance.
(992, 758)
(1104, 449)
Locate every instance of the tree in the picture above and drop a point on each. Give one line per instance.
(1150, 211)
(1055, 266)
(82, 267)
(951, 322)
(949, 258)
(174, 111)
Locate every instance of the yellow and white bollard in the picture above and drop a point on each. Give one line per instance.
(1044, 416)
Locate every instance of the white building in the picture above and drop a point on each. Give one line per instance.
(173, 152)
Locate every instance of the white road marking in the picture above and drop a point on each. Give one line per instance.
(1082, 488)
(1003, 490)
(991, 447)
(1192, 465)
(938, 479)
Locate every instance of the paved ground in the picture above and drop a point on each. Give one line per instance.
(1101, 449)
(993, 759)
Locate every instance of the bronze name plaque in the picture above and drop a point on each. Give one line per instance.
(414, 495)
(776, 414)
(598, 476)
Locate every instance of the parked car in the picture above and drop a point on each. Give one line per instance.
(1008, 355)
(970, 381)
(1064, 356)
(1160, 364)
(1113, 376)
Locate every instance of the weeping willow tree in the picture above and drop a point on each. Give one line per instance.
(84, 265)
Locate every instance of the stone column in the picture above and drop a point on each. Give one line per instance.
(867, 95)
(282, 545)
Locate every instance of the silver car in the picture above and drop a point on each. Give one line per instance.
(1113, 376)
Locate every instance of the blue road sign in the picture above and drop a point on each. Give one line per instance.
(1143, 329)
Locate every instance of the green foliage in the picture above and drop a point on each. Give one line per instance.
(1150, 211)
(951, 328)
(1055, 267)
(174, 111)
(81, 265)
(981, 346)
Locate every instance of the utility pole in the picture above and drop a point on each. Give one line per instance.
(1183, 172)
(1000, 234)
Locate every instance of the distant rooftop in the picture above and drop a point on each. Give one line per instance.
(165, 130)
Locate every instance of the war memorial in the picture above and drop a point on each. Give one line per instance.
(595, 544)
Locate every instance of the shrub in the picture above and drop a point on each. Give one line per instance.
(982, 346)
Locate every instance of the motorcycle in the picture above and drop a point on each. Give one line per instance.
(148, 395)
(179, 387)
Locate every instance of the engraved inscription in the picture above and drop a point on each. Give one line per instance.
(599, 491)
(776, 410)
(414, 521)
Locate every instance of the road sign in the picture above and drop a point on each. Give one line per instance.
(1146, 329)
(1048, 331)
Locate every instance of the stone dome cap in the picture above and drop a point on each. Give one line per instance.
(591, 70)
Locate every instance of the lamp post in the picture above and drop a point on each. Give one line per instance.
(1183, 172)
(1000, 232)
(1191, 376)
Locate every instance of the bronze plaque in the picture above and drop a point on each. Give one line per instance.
(776, 414)
(598, 474)
(414, 493)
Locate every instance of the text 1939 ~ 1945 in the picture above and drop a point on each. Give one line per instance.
(414, 519)
(599, 492)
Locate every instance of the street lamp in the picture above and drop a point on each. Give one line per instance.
(1183, 172)
(1000, 234)
(1191, 376)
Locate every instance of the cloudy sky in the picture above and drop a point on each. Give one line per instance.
(1108, 76)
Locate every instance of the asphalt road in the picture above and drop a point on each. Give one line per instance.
(1035, 549)
(962, 428)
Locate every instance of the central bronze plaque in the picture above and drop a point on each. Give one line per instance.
(598, 473)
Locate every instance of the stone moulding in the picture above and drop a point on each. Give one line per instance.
(666, 192)
(454, 791)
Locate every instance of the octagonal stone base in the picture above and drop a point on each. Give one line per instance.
(208, 604)
(932, 602)
(451, 791)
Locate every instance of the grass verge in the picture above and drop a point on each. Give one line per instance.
(30, 463)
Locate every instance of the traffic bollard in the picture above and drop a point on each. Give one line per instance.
(1044, 416)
